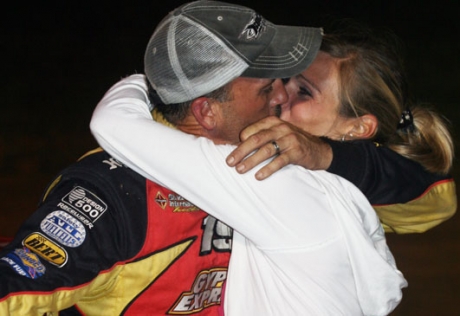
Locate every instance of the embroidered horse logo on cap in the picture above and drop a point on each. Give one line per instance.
(254, 28)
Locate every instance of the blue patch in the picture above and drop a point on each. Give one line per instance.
(64, 228)
(25, 263)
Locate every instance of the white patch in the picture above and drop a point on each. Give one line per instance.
(64, 228)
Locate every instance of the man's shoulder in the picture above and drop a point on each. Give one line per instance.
(100, 174)
(100, 167)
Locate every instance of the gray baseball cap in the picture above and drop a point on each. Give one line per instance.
(203, 45)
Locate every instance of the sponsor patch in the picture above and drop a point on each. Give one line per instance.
(176, 202)
(180, 204)
(64, 228)
(46, 248)
(76, 214)
(113, 163)
(161, 200)
(25, 263)
(86, 203)
(205, 292)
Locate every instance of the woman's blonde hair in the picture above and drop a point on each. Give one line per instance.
(372, 81)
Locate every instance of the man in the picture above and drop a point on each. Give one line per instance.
(106, 241)
(304, 242)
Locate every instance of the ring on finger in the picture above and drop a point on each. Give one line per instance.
(276, 146)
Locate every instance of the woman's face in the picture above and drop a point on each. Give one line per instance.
(314, 99)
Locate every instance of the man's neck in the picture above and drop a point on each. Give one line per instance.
(188, 126)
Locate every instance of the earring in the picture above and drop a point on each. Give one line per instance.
(345, 136)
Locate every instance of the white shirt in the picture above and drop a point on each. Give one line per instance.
(305, 242)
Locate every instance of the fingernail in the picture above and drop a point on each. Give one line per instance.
(230, 160)
(240, 168)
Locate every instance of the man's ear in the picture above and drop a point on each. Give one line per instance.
(204, 113)
(365, 127)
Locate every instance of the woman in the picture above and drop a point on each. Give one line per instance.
(353, 91)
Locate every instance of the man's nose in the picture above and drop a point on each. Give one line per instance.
(291, 94)
(280, 94)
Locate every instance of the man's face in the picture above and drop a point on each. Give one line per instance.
(251, 99)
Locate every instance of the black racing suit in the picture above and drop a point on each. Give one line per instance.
(106, 241)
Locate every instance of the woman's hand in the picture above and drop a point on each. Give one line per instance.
(295, 147)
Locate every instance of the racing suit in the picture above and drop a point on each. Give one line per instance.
(106, 241)
(406, 197)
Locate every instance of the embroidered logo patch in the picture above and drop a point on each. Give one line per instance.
(205, 292)
(46, 249)
(86, 203)
(254, 28)
(174, 201)
(25, 263)
(180, 204)
(161, 200)
(64, 228)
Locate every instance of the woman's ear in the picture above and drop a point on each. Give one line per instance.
(203, 111)
(365, 127)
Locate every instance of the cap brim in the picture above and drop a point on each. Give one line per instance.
(290, 52)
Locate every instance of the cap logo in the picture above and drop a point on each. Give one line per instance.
(254, 28)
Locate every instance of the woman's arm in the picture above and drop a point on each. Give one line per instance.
(407, 198)
(195, 168)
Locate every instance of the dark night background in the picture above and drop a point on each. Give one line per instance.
(59, 57)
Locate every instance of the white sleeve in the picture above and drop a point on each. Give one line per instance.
(195, 168)
(291, 210)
